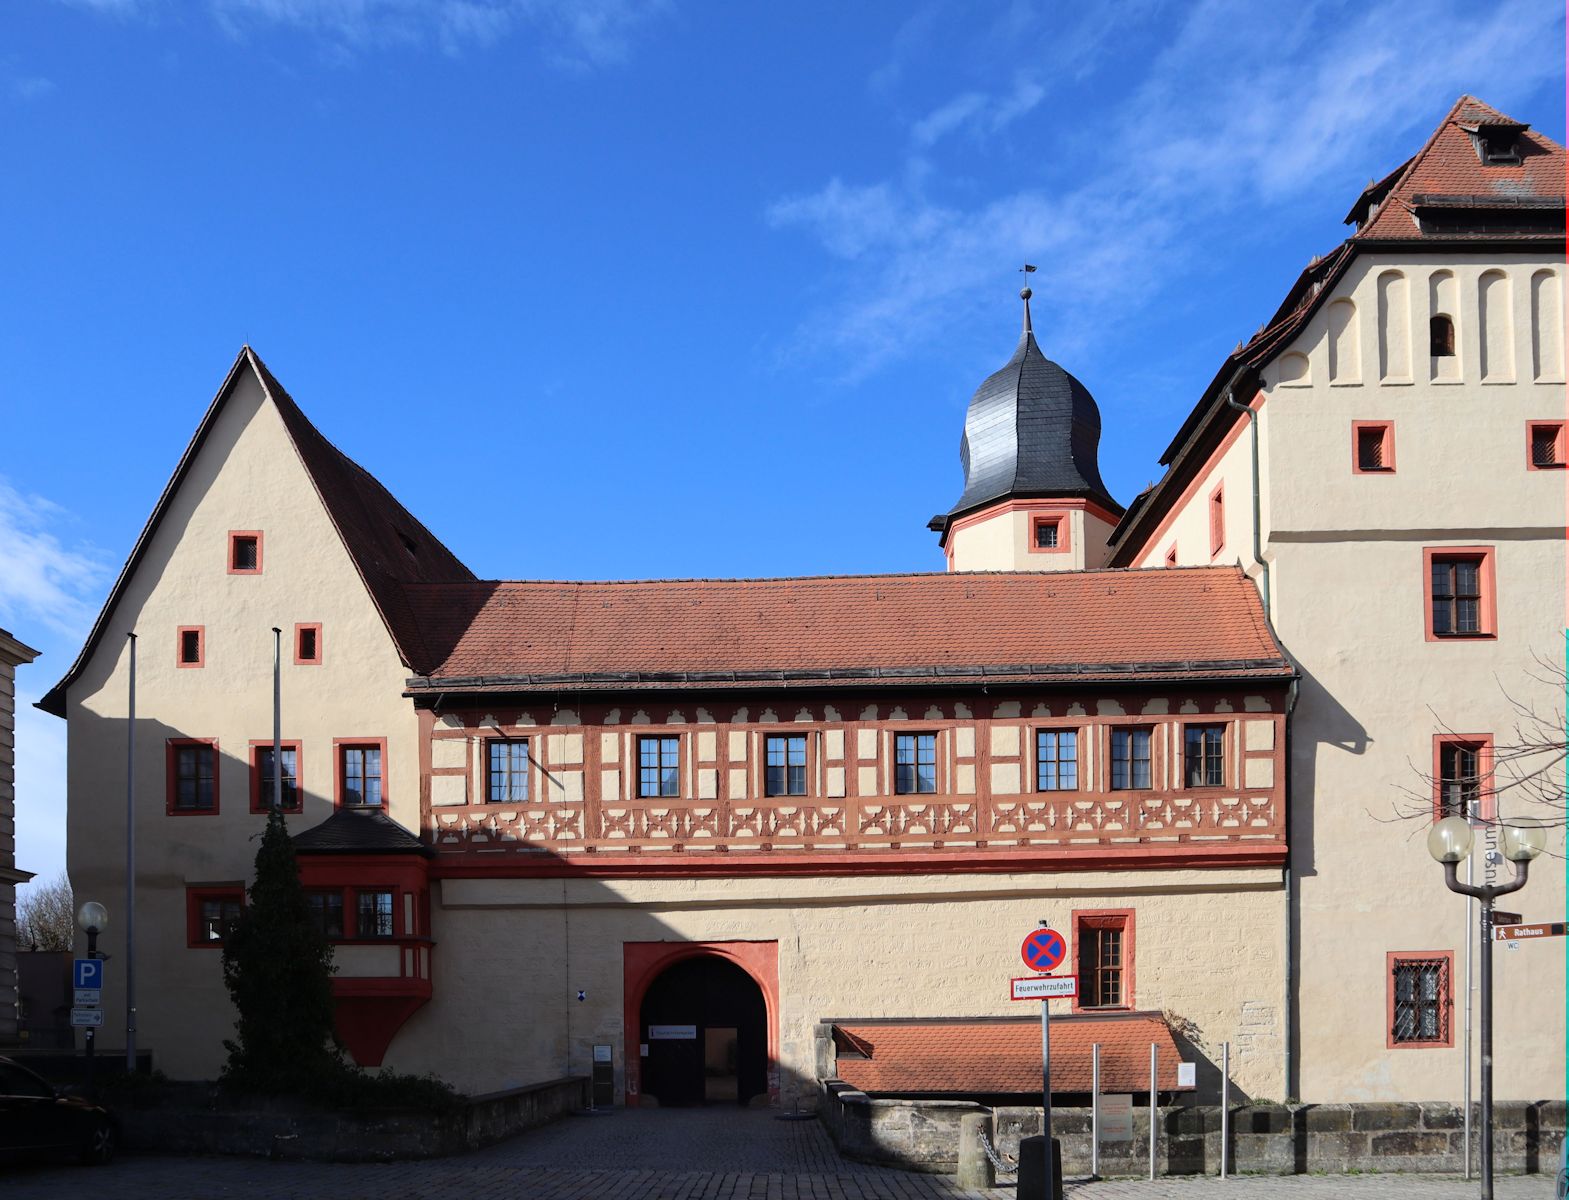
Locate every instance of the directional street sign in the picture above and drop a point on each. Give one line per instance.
(85, 1017)
(1043, 950)
(87, 973)
(88, 997)
(1044, 987)
(1529, 933)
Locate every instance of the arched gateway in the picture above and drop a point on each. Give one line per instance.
(701, 1023)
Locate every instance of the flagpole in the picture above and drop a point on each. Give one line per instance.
(130, 868)
(277, 720)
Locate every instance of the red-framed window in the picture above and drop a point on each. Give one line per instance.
(1217, 520)
(1131, 761)
(1460, 592)
(785, 764)
(914, 764)
(356, 914)
(1103, 957)
(1545, 446)
(1421, 999)
(1463, 776)
(245, 552)
(1049, 533)
(191, 776)
(261, 776)
(360, 772)
(190, 646)
(209, 910)
(659, 766)
(1204, 755)
(1373, 447)
(307, 645)
(506, 770)
(1056, 760)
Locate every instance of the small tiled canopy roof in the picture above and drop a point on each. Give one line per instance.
(359, 831)
(1002, 1056)
(1185, 623)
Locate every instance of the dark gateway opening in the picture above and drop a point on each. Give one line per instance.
(705, 1024)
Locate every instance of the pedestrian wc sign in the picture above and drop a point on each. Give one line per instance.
(87, 973)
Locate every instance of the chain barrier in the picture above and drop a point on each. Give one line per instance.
(999, 1164)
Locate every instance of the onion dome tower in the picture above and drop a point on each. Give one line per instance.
(1033, 497)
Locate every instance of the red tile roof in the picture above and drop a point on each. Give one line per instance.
(1002, 1056)
(845, 629)
(1449, 166)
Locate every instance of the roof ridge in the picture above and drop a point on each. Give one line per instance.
(1226, 568)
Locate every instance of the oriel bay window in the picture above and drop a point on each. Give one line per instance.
(1130, 758)
(1057, 760)
(1203, 758)
(659, 767)
(373, 914)
(507, 772)
(915, 763)
(784, 772)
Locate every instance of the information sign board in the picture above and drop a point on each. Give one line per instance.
(87, 973)
(86, 1018)
(87, 997)
(1116, 1118)
(672, 1033)
(1043, 987)
(1530, 933)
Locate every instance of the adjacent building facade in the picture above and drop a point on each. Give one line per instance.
(12, 655)
(687, 824)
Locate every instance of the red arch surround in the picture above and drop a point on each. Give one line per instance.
(644, 962)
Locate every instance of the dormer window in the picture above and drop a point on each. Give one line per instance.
(1441, 336)
(408, 543)
(1498, 145)
(245, 552)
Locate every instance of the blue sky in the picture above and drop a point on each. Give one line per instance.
(658, 289)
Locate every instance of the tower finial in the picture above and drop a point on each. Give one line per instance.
(1024, 294)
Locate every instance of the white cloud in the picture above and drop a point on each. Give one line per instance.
(41, 579)
(32, 87)
(1308, 103)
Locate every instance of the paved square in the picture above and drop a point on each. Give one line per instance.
(678, 1154)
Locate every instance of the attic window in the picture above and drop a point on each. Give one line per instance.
(245, 552)
(408, 543)
(1498, 145)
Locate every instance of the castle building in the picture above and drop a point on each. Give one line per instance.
(691, 825)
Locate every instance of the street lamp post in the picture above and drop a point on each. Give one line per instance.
(1449, 841)
(92, 918)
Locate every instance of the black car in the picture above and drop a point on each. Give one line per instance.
(37, 1119)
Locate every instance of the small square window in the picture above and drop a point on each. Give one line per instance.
(245, 552)
(915, 763)
(210, 912)
(1203, 756)
(307, 645)
(373, 915)
(1130, 759)
(659, 767)
(784, 771)
(192, 649)
(1420, 993)
(1547, 445)
(360, 775)
(1057, 760)
(1374, 447)
(507, 772)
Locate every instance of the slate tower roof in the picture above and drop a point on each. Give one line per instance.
(1032, 430)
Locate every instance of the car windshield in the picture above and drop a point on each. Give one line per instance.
(15, 1081)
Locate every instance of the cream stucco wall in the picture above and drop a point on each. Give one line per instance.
(246, 477)
(1348, 603)
(514, 953)
(1002, 538)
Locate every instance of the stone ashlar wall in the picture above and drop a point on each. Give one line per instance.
(923, 1135)
(197, 1119)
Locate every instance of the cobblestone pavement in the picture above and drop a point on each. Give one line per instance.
(687, 1154)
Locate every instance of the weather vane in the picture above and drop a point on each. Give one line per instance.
(1026, 270)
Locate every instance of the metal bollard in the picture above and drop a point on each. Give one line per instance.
(975, 1168)
(1095, 1111)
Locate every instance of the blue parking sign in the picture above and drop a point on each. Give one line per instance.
(87, 973)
